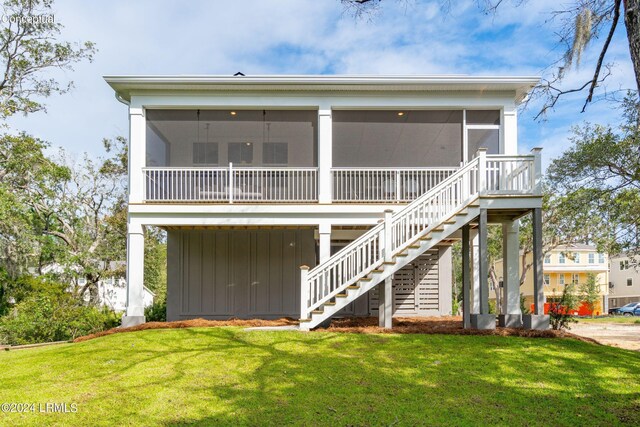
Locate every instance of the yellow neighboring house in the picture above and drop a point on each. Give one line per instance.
(566, 264)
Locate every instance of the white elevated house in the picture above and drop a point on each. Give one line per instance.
(317, 196)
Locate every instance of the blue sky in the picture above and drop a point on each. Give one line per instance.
(310, 37)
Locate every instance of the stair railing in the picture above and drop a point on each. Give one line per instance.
(483, 174)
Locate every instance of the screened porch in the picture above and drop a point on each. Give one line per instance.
(257, 156)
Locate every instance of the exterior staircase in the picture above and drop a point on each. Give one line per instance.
(403, 236)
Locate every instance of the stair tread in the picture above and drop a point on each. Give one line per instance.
(341, 295)
(353, 286)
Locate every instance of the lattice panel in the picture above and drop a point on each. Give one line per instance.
(427, 286)
(422, 274)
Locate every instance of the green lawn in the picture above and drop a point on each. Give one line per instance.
(227, 376)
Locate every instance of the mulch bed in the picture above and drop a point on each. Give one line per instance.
(359, 325)
(450, 325)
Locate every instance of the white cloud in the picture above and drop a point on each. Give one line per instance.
(303, 36)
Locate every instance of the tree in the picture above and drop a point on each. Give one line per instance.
(29, 52)
(79, 219)
(25, 174)
(578, 25)
(599, 180)
(28, 48)
(590, 292)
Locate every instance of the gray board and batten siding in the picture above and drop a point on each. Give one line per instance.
(231, 273)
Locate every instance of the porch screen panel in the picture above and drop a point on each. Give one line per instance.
(485, 138)
(399, 138)
(247, 138)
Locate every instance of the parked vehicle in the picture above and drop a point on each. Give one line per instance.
(631, 309)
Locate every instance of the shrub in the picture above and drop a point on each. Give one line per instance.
(524, 307)
(157, 312)
(560, 312)
(53, 316)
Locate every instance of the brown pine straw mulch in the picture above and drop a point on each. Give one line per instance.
(449, 325)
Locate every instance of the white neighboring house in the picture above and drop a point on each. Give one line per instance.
(112, 291)
(624, 281)
(322, 196)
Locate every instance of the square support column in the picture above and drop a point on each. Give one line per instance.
(385, 303)
(134, 314)
(466, 277)
(512, 315)
(325, 155)
(137, 154)
(537, 320)
(324, 241)
(484, 320)
(474, 276)
(445, 280)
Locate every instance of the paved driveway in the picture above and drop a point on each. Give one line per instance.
(623, 335)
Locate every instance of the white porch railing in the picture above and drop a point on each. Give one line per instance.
(385, 184)
(231, 184)
(482, 175)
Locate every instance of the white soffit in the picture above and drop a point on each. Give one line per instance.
(520, 85)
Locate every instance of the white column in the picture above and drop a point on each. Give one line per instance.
(466, 279)
(475, 276)
(445, 280)
(324, 241)
(510, 130)
(135, 276)
(137, 154)
(510, 266)
(385, 303)
(325, 143)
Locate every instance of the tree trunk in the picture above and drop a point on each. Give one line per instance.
(632, 23)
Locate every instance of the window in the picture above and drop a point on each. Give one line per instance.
(547, 259)
(575, 278)
(624, 265)
(592, 258)
(275, 153)
(546, 279)
(205, 153)
(629, 282)
(576, 257)
(241, 153)
(561, 279)
(601, 258)
(561, 258)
